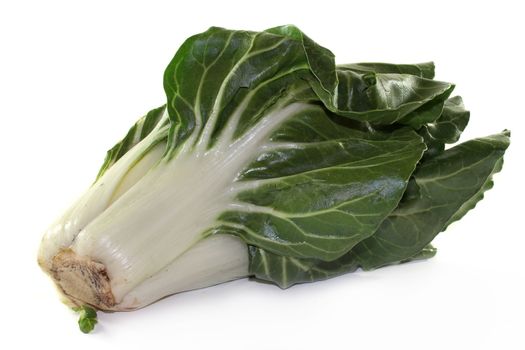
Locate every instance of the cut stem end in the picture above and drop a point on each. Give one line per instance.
(82, 280)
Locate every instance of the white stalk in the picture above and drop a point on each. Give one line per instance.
(115, 181)
(213, 260)
(150, 240)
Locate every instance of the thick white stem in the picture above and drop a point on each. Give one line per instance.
(115, 181)
(147, 235)
(169, 210)
(213, 260)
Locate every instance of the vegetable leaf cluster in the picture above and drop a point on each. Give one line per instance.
(329, 167)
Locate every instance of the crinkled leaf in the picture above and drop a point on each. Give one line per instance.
(307, 186)
(448, 186)
(428, 111)
(387, 98)
(222, 74)
(447, 128)
(423, 70)
(318, 198)
(213, 71)
(320, 60)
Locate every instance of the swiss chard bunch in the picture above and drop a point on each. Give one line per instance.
(270, 160)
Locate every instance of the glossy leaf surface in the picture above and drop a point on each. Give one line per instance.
(448, 186)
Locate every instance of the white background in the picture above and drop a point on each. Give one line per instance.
(75, 75)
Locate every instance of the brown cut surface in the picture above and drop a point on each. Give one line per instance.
(82, 280)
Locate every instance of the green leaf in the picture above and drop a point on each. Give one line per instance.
(318, 199)
(442, 191)
(387, 98)
(471, 203)
(219, 72)
(286, 271)
(321, 61)
(142, 128)
(214, 71)
(423, 70)
(450, 184)
(447, 128)
(428, 111)
(87, 318)
(306, 186)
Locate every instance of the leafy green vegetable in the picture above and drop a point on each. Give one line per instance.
(270, 160)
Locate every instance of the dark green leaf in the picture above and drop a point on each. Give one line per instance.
(447, 128)
(450, 184)
(387, 98)
(443, 190)
(322, 188)
(214, 72)
(423, 70)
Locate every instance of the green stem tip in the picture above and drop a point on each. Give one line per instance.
(87, 318)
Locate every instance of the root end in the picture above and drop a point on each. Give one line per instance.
(82, 280)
